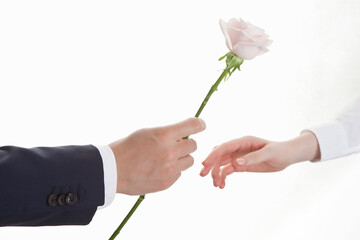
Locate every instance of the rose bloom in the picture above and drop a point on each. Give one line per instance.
(244, 39)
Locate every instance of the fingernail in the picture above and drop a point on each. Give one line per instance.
(241, 161)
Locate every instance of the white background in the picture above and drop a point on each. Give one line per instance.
(79, 72)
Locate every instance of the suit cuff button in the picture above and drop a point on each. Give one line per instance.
(52, 200)
(61, 200)
(71, 199)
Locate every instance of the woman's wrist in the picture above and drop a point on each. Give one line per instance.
(305, 147)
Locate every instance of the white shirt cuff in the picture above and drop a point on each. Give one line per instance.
(110, 174)
(332, 139)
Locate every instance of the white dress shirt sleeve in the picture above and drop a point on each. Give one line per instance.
(340, 137)
(110, 174)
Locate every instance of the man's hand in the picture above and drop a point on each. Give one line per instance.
(151, 160)
(252, 154)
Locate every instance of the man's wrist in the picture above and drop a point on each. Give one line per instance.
(110, 174)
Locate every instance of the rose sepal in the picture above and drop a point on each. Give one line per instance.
(233, 62)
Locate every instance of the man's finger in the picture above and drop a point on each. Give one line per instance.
(186, 147)
(185, 162)
(186, 128)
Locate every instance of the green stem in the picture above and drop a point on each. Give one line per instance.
(141, 198)
(133, 209)
(211, 91)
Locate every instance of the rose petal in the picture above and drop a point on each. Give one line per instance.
(244, 39)
(223, 26)
(255, 33)
(237, 23)
(246, 51)
(263, 39)
(253, 44)
(237, 35)
(250, 25)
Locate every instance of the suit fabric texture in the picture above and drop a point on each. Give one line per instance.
(49, 186)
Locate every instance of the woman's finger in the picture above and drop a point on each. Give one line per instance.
(245, 144)
(225, 171)
(215, 173)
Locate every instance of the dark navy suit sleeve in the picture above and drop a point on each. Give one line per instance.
(50, 186)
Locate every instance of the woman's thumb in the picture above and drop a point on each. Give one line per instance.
(249, 159)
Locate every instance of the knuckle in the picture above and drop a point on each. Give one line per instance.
(148, 135)
(169, 171)
(170, 154)
(161, 134)
(139, 132)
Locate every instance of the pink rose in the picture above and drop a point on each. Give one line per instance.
(244, 39)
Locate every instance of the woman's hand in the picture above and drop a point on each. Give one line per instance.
(252, 154)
